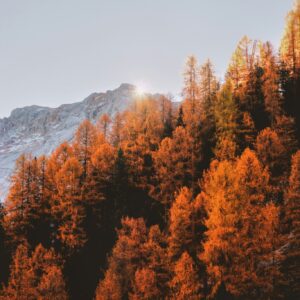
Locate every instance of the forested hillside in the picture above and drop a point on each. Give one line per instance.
(199, 201)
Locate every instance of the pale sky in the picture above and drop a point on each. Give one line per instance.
(60, 51)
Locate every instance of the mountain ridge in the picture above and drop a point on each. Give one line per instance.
(39, 130)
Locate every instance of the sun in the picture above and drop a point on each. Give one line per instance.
(140, 89)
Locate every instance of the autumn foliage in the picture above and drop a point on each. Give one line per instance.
(190, 200)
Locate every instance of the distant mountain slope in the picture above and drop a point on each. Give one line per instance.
(39, 130)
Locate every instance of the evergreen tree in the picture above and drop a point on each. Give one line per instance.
(179, 121)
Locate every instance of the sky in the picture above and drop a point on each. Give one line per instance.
(60, 51)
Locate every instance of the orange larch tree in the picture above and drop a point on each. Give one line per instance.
(182, 225)
(67, 206)
(291, 262)
(172, 163)
(104, 125)
(185, 283)
(271, 81)
(270, 151)
(35, 275)
(27, 204)
(86, 139)
(145, 285)
(236, 194)
(126, 258)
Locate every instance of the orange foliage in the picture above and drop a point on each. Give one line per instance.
(35, 277)
(185, 283)
(173, 165)
(66, 206)
(145, 285)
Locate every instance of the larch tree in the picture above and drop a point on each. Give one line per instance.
(21, 279)
(116, 130)
(185, 283)
(172, 164)
(291, 261)
(182, 225)
(166, 112)
(253, 235)
(285, 128)
(17, 204)
(125, 260)
(67, 206)
(48, 275)
(4, 250)
(142, 132)
(242, 63)
(104, 125)
(110, 287)
(120, 187)
(57, 159)
(27, 204)
(271, 153)
(191, 107)
(246, 131)
(290, 44)
(271, 81)
(220, 204)
(246, 75)
(269, 266)
(35, 275)
(86, 139)
(225, 113)
(52, 285)
(100, 173)
(145, 285)
(208, 88)
(42, 195)
(252, 189)
(290, 58)
(157, 260)
(236, 195)
(180, 117)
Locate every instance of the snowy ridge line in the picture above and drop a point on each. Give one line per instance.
(39, 130)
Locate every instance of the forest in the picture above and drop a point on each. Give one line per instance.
(198, 199)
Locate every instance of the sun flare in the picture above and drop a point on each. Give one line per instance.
(140, 90)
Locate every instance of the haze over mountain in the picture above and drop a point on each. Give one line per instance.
(39, 130)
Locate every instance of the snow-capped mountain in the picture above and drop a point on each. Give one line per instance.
(39, 130)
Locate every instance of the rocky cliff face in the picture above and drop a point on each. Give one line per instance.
(39, 130)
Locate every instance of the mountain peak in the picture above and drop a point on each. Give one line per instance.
(39, 130)
(126, 86)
